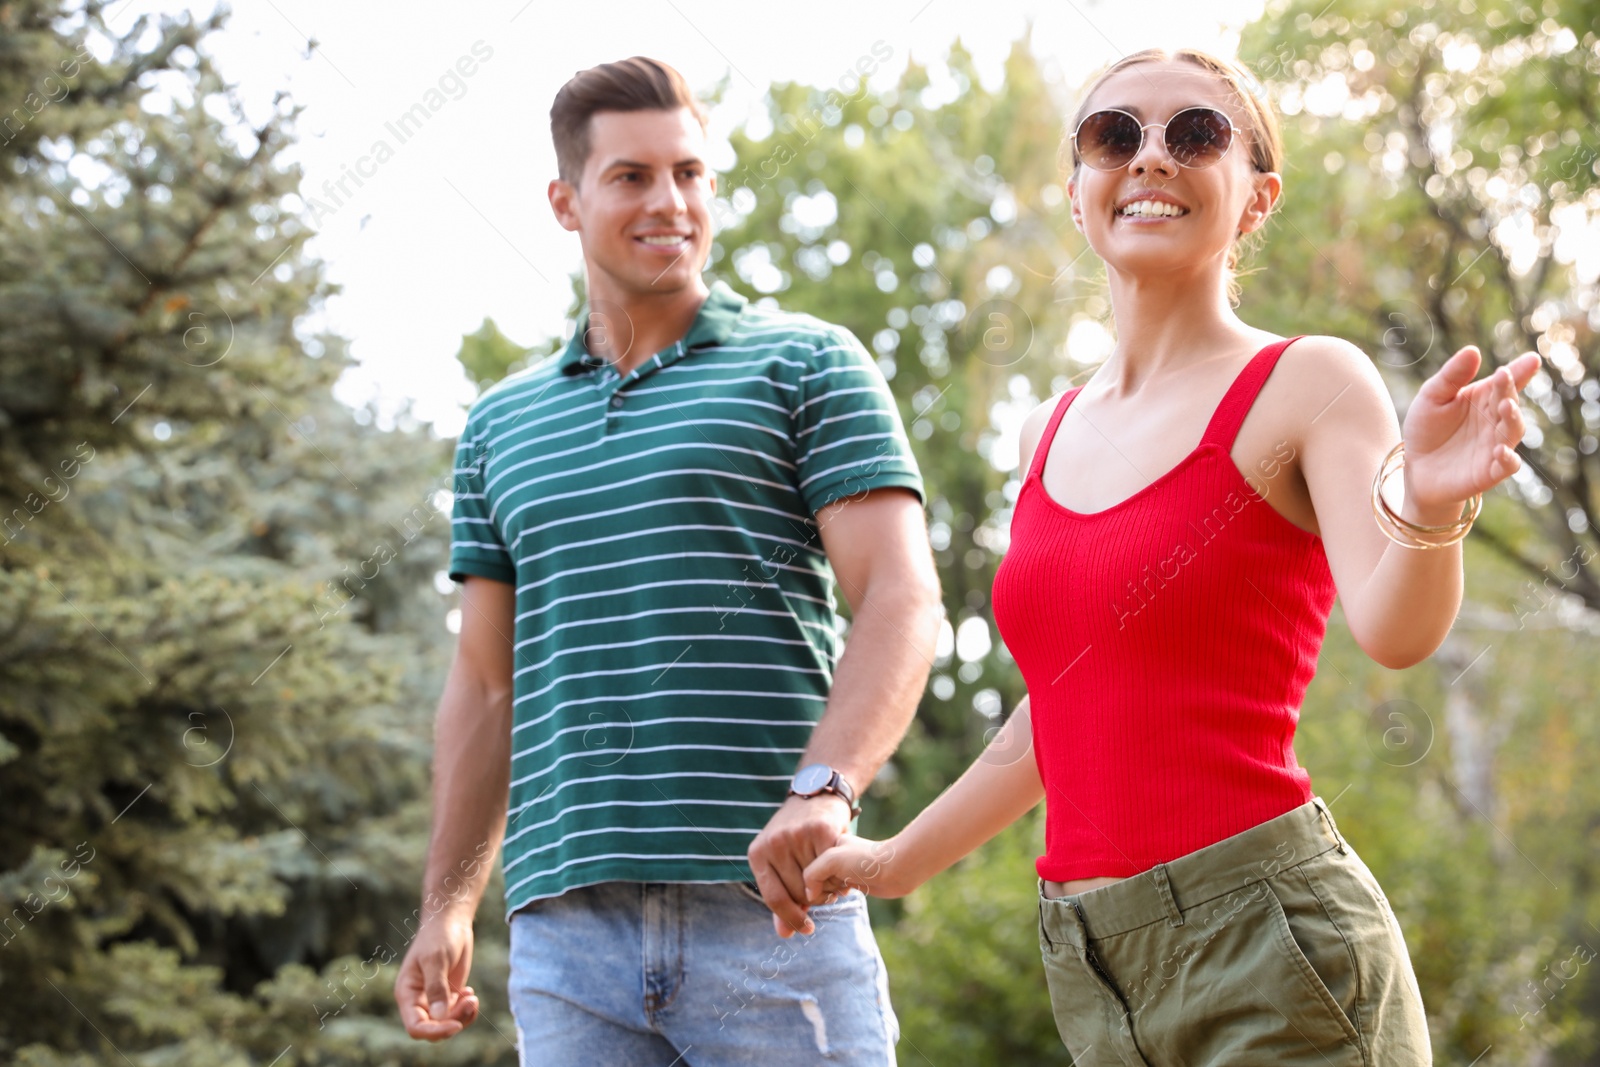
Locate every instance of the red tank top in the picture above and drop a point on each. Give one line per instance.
(1166, 643)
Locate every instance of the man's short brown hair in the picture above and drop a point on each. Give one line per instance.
(636, 84)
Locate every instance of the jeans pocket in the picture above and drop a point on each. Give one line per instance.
(531, 906)
(749, 891)
(852, 900)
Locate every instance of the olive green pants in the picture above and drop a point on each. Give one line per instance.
(1274, 946)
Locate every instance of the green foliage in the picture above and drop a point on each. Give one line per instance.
(1442, 167)
(1444, 171)
(222, 643)
(487, 355)
(964, 970)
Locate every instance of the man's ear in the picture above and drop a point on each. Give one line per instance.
(564, 203)
(1268, 187)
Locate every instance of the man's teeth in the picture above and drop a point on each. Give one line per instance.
(669, 239)
(1153, 209)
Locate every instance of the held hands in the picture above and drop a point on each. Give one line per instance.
(1461, 435)
(802, 829)
(859, 863)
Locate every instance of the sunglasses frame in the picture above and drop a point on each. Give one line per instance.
(1233, 133)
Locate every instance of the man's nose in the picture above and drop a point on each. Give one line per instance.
(665, 197)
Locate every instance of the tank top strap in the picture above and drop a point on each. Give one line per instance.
(1236, 403)
(1036, 464)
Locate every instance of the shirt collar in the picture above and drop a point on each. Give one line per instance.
(712, 326)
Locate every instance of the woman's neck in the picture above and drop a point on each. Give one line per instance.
(1166, 323)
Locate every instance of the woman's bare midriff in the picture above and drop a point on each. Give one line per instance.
(1076, 886)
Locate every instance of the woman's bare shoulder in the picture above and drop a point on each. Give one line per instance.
(1322, 375)
(1033, 429)
(1321, 358)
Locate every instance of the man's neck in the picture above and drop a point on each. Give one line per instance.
(626, 328)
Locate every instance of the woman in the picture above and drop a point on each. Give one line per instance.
(1186, 519)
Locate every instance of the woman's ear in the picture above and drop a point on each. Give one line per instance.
(1268, 187)
(1072, 199)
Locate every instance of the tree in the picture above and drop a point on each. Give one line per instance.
(222, 641)
(1444, 184)
(1440, 190)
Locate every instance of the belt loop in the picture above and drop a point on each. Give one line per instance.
(1327, 817)
(1164, 887)
(1044, 927)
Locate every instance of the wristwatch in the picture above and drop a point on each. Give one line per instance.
(817, 778)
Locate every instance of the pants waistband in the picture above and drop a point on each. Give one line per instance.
(1167, 890)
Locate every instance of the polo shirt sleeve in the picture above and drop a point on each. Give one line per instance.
(848, 435)
(475, 544)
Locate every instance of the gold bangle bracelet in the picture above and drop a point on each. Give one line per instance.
(1393, 462)
(1408, 534)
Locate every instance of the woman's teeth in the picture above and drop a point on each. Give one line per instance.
(1152, 209)
(672, 239)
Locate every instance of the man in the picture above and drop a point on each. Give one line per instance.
(647, 528)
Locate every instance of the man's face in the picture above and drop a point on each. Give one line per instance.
(640, 207)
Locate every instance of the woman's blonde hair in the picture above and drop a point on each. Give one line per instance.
(1263, 137)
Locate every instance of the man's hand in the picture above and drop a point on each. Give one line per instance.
(803, 829)
(435, 1001)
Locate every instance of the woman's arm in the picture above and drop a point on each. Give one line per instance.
(997, 790)
(1459, 435)
(1000, 787)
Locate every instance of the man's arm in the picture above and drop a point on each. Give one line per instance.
(471, 773)
(877, 543)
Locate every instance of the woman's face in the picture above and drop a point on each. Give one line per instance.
(1213, 205)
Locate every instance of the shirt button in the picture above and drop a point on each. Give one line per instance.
(616, 400)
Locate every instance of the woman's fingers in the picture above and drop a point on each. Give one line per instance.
(1459, 370)
(1523, 368)
(824, 879)
(1507, 462)
(1457, 373)
(819, 877)
(1512, 421)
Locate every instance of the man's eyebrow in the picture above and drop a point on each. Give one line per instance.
(634, 164)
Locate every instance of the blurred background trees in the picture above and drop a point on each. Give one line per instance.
(221, 636)
(225, 628)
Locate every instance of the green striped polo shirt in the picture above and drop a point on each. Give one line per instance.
(675, 625)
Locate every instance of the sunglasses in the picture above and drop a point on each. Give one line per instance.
(1195, 137)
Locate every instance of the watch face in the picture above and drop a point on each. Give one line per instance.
(812, 778)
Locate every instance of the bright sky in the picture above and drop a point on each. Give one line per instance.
(455, 225)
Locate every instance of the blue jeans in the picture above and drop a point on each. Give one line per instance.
(653, 974)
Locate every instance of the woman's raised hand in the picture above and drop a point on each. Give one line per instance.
(1461, 435)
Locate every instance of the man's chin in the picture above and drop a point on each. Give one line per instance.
(674, 279)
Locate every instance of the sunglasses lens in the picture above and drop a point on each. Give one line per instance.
(1199, 136)
(1108, 140)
